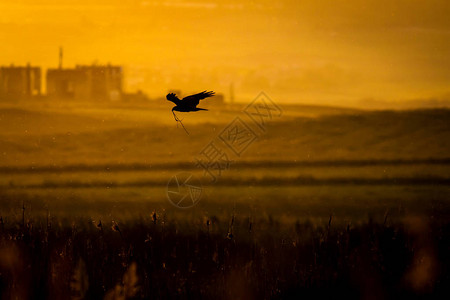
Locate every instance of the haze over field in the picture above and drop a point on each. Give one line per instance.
(148, 135)
(312, 159)
(346, 53)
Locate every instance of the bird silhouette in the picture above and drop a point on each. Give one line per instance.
(187, 104)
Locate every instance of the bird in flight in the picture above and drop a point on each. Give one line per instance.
(187, 104)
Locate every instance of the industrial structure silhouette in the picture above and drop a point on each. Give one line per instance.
(82, 83)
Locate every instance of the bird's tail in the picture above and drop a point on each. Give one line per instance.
(202, 108)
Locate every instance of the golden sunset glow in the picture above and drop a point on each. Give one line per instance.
(214, 149)
(324, 52)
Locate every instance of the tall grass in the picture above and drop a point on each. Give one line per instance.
(239, 257)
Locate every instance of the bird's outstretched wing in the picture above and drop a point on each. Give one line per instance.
(195, 99)
(172, 97)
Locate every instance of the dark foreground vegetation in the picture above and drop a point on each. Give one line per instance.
(236, 258)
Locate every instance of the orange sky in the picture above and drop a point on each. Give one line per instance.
(323, 51)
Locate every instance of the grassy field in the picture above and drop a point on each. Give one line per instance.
(325, 202)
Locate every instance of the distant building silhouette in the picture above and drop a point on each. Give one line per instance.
(19, 82)
(138, 96)
(86, 83)
(219, 100)
(232, 93)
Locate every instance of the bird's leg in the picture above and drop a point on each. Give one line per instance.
(178, 120)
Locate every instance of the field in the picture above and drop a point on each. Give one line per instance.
(324, 202)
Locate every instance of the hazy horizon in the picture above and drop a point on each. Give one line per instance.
(353, 53)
